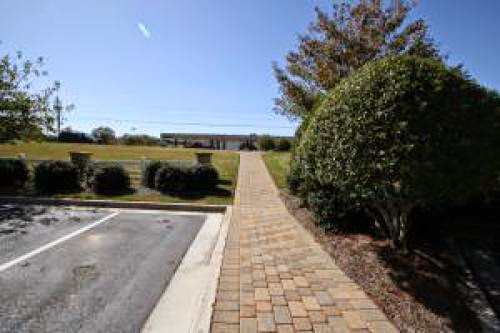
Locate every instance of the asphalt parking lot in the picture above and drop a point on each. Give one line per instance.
(87, 270)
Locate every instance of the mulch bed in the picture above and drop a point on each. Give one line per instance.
(422, 292)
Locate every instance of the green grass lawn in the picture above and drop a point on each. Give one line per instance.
(60, 151)
(278, 165)
(226, 163)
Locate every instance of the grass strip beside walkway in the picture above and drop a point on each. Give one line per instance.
(278, 164)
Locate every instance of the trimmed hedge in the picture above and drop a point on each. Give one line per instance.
(247, 145)
(111, 180)
(172, 179)
(149, 174)
(266, 142)
(283, 144)
(203, 177)
(399, 133)
(57, 176)
(175, 179)
(13, 173)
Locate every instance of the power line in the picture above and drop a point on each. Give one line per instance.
(171, 113)
(206, 124)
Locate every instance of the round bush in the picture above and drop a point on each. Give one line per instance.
(203, 177)
(283, 145)
(149, 174)
(57, 176)
(399, 133)
(294, 178)
(172, 179)
(266, 142)
(247, 145)
(13, 173)
(111, 180)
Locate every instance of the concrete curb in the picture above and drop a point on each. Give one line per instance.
(187, 302)
(114, 204)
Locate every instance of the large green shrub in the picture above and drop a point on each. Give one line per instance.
(294, 178)
(57, 176)
(149, 173)
(203, 177)
(266, 142)
(112, 179)
(172, 179)
(247, 145)
(13, 173)
(399, 133)
(283, 144)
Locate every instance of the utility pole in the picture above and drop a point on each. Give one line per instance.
(58, 108)
(397, 6)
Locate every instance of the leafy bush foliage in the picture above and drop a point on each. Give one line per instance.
(104, 135)
(75, 137)
(175, 179)
(13, 173)
(57, 176)
(172, 179)
(266, 142)
(399, 133)
(203, 177)
(111, 180)
(149, 174)
(26, 110)
(294, 180)
(283, 145)
(352, 35)
(247, 145)
(139, 140)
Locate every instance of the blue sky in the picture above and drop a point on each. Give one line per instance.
(164, 66)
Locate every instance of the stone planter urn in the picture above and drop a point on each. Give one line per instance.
(81, 160)
(204, 158)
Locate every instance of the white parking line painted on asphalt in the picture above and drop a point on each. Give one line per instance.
(56, 242)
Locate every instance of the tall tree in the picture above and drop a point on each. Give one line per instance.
(340, 43)
(25, 113)
(104, 135)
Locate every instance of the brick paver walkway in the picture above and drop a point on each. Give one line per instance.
(275, 277)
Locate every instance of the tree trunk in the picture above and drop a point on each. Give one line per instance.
(395, 218)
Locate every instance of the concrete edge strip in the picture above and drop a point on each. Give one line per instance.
(56, 242)
(115, 204)
(205, 315)
(187, 303)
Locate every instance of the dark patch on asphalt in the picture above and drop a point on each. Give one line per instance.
(85, 273)
(47, 220)
(27, 227)
(21, 219)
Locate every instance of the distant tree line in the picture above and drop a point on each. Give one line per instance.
(268, 142)
(106, 136)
